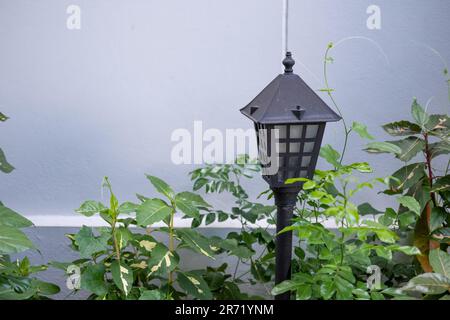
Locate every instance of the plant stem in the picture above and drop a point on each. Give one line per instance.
(171, 243)
(328, 90)
(428, 162)
(116, 245)
(236, 268)
(342, 246)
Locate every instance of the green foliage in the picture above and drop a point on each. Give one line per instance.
(118, 262)
(228, 178)
(361, 130)
(424, 195)
(436, 284)
(17, 280)
(5, 166)
(332, 264)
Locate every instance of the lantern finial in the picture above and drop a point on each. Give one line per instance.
(288, 63)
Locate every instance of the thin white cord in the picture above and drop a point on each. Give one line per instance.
(285, 28)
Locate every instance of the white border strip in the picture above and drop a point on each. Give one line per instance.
(96, 221)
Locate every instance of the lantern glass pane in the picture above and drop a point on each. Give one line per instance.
(294, 147)
(303, 174)
(282, 131)
(281, 147)
(291, 174)
(308, 147)
(296, 131)
(262, 143)
(311, 131)
(293, 162)
(305, 161)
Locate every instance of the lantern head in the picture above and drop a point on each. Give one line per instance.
(289, 120)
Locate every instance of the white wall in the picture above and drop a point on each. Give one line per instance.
(104, 100)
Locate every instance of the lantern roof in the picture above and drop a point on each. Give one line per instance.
(288, 99)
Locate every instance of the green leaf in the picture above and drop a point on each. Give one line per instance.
(194, 198)
(440, 261)
(128, 207)
(151, 211)
(10, 218)
(407, 218)
(344, 288)
(44, 288)
(402, 128)
(410, 203)
(90, 207)
(13, 240)
(196, 241)
(288, 181)
(363, 167)
(88, 244)
(441, 184)
(162, 260)
(407, 176)
(361, 294)
(194, 285)
(161, 186)
(151, 295)
(199, 183)
(9, 293)
(304, 292)
(383, 252)
(419, 114)
(330, 155)
(361, 130)
(122, 276)
(383, 147)
(233, 247)
(327, 289)
(123, 236)
(210, 217)
(3, 118)
(439, 148)
(187, 207)
(437, 218)
(409, 250)
(366, 209)
(382, 232)
(93, 279)
(285, 286)
(428, 283)
(4, 165)
(308, 185)
(223, 216)
(410, 147)
(438, 123)
(420, 192)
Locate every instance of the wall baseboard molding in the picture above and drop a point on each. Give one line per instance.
(96, 221)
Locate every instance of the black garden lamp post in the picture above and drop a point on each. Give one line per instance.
(289, 120)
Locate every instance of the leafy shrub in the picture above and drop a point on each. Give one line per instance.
(117, 263)
(228, 178)
(333, 264)
(16, 282)
(433, 285)
(424, 195)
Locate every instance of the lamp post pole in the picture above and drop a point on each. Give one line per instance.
(285, 200)
(289, 118)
